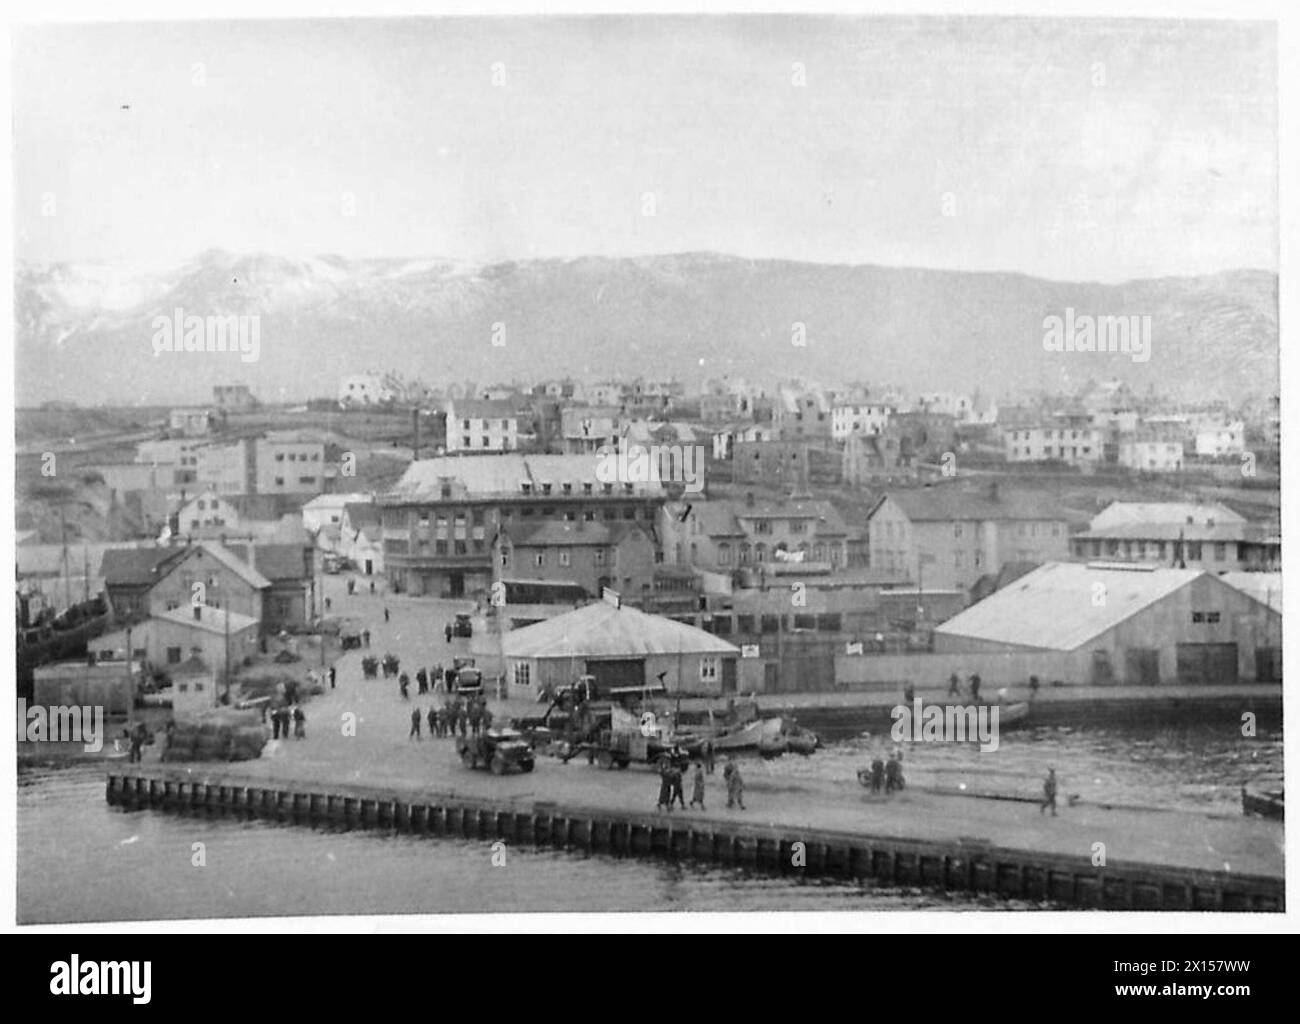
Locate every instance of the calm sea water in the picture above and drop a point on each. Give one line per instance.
(81, 860)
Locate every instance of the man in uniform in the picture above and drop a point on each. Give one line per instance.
(735, 784)
(415, 724)
(697, 786)
(1049, 793)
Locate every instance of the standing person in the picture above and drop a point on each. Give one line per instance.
(954, 685)
(385, 613)
(909, 693)
(735, 784)
(421, 681)
(433, 721)
(333, 673)
(404, 682)
(708, 755)
(975, 686)
(1033, 687)
(665, 787)
(877, 775)
(372, 587)
(365, 637)
(447, 631)
(275, 724)
(328, 603)
(1049, 793)
(462, 716)
(678, 794)
(438, 686)
(487, 718)
(299, 723)
(415, 724)
(475, 717)
(697, 787)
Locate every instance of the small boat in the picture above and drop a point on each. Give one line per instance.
(1263, 798)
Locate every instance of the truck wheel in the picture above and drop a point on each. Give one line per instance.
(527, 766)
(467, 758)
(622, 763)
(605, 759)
(497, 766)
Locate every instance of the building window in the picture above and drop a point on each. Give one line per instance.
(724, 554)
(539, 559)
(173, 655)
(600, 556)
(708, 669)
(522, 673)
(564, 557)
(956, 529)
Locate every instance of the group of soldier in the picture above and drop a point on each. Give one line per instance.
(468, 714)
(671, 792)
(887, 775)
(281, 717)
(434, 680)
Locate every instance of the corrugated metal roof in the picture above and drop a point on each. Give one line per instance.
(1056, 607)
(600, 630)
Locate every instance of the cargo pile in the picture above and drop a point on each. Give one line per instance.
(220, 735)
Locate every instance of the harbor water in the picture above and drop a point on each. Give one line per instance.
(81, 860)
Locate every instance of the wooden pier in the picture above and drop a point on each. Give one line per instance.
(956, 865)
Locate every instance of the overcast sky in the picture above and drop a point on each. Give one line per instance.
(1073, 150)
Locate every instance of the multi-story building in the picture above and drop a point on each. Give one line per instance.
(1055, 437)
(585, 428)
(621, 555)
(950, 536)
(182, 456)
(1214, 546)
(859, 418)
(726, 536)
(206, 509)
(479, 425)
(439, 522)
(800, 414)
(1151, 452)
(288, 462)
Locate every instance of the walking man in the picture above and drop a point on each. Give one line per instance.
(404, 682)
(385, 613)
(365, 637)
(708, 755)
(447, 632)
(475, 717)
(954, 685)
(333, 673)
(1049, 793)
(415, 724)
(975, 686)
(299, 723)
(735, 784)
(697, 787)
(421, 681)
(433, 722)
(678, 793)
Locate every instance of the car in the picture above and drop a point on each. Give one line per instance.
(462, 626)
(498, 750)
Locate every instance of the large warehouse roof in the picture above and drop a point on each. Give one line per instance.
(601, 630)
(1062, 605)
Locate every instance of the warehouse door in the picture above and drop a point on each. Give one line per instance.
(1207, 663)
(618, 672)
(1142, 666)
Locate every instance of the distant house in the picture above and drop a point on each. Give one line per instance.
(361, 538)
(233, 398)
(859, 417)
(1124, 513)
(190, 422)
(167, 639)
(724, 536)
(1214, 546)
(290, 571)
(1151, 452)
(585, 429)
(206, 510)
(477, 425)
(363, 389)
(801, 414)
(327, 509)
(1069, 437)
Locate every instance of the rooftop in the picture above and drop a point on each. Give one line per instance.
(946, 503)
(600, 630)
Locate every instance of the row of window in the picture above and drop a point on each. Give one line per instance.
(297, 457)
(1192, 550)
(760, 553)
(484, 424)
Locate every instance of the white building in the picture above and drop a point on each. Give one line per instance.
(190, 422)
(1151, 455)
(1071, 439)
(858, 419)
(207, 509)
(363, 389)
(1225, 438)
(481, 426)
(327, 509)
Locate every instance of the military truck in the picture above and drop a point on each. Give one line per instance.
(498, 750)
